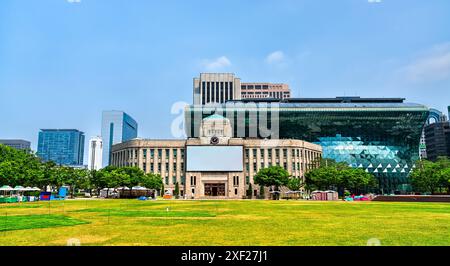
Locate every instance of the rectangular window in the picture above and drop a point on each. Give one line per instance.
(144, 151)
(235, 191)
(226, 91)
(213, 90)
(159, 153)
(208, 91)
(144, 167)
(167, 153)
(217, 100)
(221, 93)
(203, 92)
(167, 180)
(193, 180)
(231, 90)
(174, 180)
(152, 168)
(174, 167)
(235, 181)
(152, 153)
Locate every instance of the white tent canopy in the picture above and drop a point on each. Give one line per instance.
(6, 188)
(139, 188)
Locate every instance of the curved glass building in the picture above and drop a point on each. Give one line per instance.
(380, 135)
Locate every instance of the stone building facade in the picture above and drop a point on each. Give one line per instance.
(168, 158)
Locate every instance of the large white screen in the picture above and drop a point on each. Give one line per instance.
(214, 158)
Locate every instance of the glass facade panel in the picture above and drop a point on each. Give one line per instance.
(64, 147)
(380, 137)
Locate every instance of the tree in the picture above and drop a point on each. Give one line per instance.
(250, 191)
(262, 192)
(443, 165)
(177, 190)
(338, 176)
(273, 176)
(445, 177)
(152, 181)
(425, 178)
(295, 184)
(19, 167)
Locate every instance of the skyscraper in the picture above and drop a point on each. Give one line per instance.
(437, 138)
(216, 88)
(19, 144)
(117, 127)
(95, 153)
(63, 146)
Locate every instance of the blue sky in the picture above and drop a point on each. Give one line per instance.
(64, 61)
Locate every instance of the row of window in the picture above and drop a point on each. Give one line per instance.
(295, 153)
(131, 154)
(294, 167)
(216, 91)
(174, 180)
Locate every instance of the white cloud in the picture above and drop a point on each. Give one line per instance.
(216, 64)
(275, 57)
(432, 66)
(374, 1)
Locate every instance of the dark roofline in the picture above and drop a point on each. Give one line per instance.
(340, 99)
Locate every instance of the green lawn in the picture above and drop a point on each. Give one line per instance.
(164, 222)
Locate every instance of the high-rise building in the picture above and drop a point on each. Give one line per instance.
(437, 139)
(265, 90)
(19, 144)
(63, 146)
(117, 127)
(380, 136)
(434, 116)
(95, 153)
(216, 88)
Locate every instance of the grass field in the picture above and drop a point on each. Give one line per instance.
(279, 223)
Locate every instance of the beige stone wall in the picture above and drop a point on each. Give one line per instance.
(167, 158)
